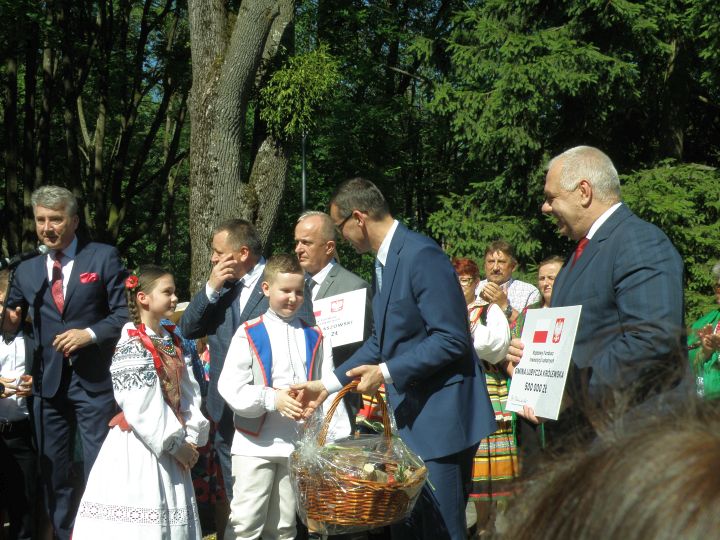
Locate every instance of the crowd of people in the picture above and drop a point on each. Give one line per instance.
(94, 371)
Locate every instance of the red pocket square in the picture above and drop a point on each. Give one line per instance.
(89, 277)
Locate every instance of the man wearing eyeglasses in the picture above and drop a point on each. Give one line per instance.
(421, 350)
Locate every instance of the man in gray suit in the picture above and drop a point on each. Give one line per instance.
(231, 296)
(315, 249)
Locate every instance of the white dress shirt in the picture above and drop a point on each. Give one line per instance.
(249, 281)
(12, 365)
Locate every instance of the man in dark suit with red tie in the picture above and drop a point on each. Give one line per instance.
(76, 299)
(628, 278)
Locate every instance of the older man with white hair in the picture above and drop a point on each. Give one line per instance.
(628, 278)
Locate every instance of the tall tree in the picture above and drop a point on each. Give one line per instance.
(231, 53)
(530, 79)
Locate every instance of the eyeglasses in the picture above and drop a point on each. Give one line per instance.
(339, 227)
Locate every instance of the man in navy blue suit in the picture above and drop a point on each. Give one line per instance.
(76, 299)
(421, 349)
(628, 278)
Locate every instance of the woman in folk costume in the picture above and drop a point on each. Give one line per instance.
(140, 485)
(496, 461)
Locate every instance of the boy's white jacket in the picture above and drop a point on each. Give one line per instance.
(245, 385)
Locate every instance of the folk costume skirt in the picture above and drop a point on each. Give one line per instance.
(495, 465)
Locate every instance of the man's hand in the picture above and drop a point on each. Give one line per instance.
(287, 405)
(494, 294)
(7, 387)
(529, 414)
(72, 340)
(225, 269)
(24, 387)
(311, 395)
(371, 378)
(515, 351)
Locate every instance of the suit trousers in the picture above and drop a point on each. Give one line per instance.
(439, 513)
(263, 504)
(55, 417)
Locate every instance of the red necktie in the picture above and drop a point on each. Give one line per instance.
(579, 249)
(57, 282)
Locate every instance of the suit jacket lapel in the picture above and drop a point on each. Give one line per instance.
(327, 282)
(255, 296)
(388, 277)
(82, 256)
(570, 274)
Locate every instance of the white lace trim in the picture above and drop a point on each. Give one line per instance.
(133, 514)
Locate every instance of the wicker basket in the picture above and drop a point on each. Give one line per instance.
(335, 502)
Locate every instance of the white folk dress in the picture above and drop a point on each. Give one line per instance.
(136, 489)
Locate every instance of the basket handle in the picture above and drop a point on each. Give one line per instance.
(350, 387)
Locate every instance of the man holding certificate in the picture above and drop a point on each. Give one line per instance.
(628, 278)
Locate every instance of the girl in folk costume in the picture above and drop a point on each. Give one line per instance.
(140, 484)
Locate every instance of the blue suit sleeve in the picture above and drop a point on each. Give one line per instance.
(648, 287)
(194, 322)
(108, 328)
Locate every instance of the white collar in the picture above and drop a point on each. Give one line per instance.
(382, 252)
(322, 274)
(601, 220)
(253, 275)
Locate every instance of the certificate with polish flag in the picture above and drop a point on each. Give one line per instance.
(342, 317)
(539, 379)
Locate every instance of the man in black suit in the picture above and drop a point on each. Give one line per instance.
(231, 296)
(76, 300)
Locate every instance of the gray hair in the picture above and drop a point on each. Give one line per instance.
(589, 163)
(55, 198)
(327, 227)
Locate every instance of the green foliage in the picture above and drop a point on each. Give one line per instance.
(528, 79)
(294, 93)
(684, 201)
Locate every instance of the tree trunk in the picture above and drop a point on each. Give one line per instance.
(224, 73)
(208, 40)
(267, 181)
